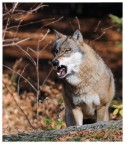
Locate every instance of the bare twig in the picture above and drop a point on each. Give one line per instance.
(103, 31)
(10, 40)
(18, 87)
(108, 28)
(31, 50)
(52, 22)
(16, 43)
(19, 16)
(14, 7)
(4, 32)
(97, 26)
(18, 28)
(37, 72)
(37, 66)
(15, 66)
(78, 22)
(8, 20)
(99, 37)
(48, 19)
(34, 6)
(38, 7)
(11, 93)
(21, 77)
(71, 25)
(40, 40)
(45, 47)
(47, 76)
(25, 39)
(23, 14)
(27, 54)
(29, 23)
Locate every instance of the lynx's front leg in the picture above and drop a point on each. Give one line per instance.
(74, 116)
(78, 116)
(103, 113)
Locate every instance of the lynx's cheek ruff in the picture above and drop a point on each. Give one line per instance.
(69, 65)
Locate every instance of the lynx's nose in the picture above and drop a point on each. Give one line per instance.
(55, 62)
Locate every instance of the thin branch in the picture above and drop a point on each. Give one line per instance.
(103, 31)
(18, 87)
(31, 10)
(8, 20)
(30, 23)
(44, 36)
(38, 7)
(47, 19)
(17, 28)
(21, 77)
(71, 25)
(15, 66)
(14, 7)
(47, 76)
(5, 7)
(17, 63)
(99, 37)
(10, 40)
(27, 54)
(78, 22)
(108, 28)
(97, 26)
(45, 47)
(23, 40)
(34, 6)
(31, 50)
(16, 43)
(37, 67)
(52, 22)
(11, 93)
(37, 72)
(27, 13)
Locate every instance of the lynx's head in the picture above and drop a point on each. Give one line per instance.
(67, 53)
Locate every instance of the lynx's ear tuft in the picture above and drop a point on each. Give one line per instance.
(77, 36)
(58, 34)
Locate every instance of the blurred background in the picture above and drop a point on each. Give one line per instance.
(27, 40)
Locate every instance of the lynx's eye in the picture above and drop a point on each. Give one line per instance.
(55, 51)
(68, 50)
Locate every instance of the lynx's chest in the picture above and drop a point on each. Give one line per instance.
(88, 103)
(86, 99)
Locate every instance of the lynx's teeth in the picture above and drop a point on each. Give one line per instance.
(58, 73)
(61, 71)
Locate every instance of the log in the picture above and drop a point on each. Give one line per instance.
(53, 135)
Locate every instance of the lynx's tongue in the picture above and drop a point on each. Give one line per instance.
(61, 71)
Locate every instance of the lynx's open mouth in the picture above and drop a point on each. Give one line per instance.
(61, 71)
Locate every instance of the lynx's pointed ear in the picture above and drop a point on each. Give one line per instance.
(58, 34)
(77, 36)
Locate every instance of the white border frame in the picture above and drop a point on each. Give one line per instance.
(64, 1)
